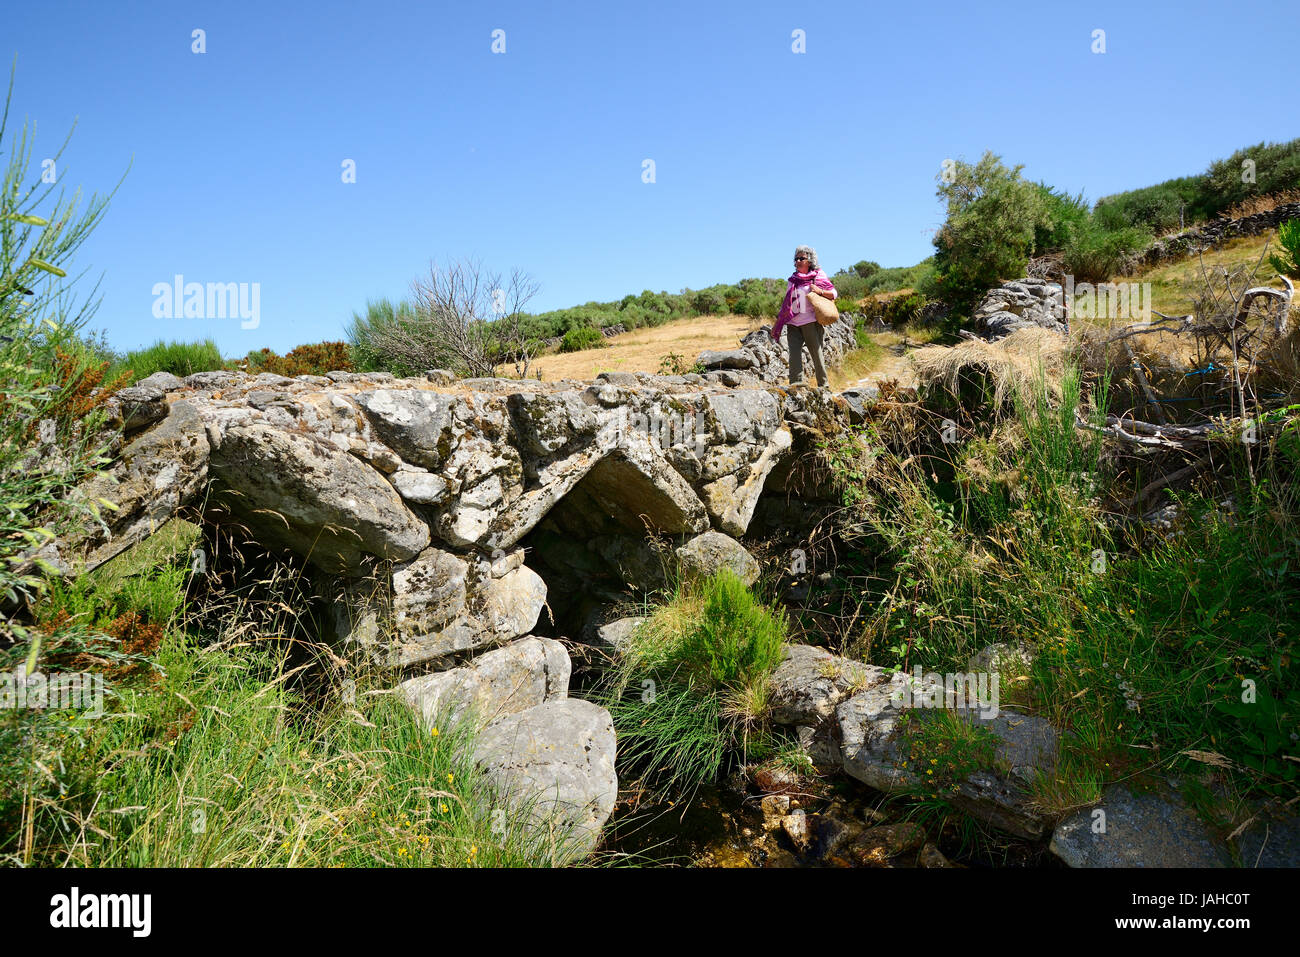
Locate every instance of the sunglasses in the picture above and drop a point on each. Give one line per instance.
(801, 259)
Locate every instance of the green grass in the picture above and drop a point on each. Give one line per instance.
(237, 748)
(178, 358)
(218, 763)
(1145, 645)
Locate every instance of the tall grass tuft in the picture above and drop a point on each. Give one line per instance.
(691, 689)
(178, 358)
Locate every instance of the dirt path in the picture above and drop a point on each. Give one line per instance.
(642, 350)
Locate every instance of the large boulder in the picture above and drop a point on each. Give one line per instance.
(157, 473)
(848, 717)
(444, 603)
(299, 491)
(810, 682)
(556, 762)
(415, 423)
(518, 676)
(731, 499)
(707, 553)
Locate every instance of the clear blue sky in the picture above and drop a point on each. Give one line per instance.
(533, 158)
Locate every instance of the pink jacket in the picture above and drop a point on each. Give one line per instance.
(795, 310)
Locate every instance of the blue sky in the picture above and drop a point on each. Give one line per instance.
(532, 158)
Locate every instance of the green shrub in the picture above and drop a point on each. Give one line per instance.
(1276, 168)
(850, 286)
(1192, 199)
(692, 685)
(709, 302)
(1288, 237)
(736, 639)
(1159, 208)
(902, 277)
(582, 337)
(671, 732)
(1094, 254)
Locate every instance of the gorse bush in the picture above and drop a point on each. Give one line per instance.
(313, 359)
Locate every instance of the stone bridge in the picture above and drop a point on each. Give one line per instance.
(438, 488)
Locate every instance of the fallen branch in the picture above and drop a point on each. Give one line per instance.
(1170, 479)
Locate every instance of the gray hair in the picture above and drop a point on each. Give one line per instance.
(810, 253)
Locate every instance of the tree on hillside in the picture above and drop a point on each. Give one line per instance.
(992, 217)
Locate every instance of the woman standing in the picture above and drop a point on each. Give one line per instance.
(797, 314)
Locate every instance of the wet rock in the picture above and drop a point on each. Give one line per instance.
(777, 779)
(878, 845)
(775, 808)
(931, 856)
(1127, 829)
(795, 825)
(832, 831)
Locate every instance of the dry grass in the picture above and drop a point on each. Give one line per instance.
(1175, 285)
(1262, 204)
(642, 350)
(1010, 365)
